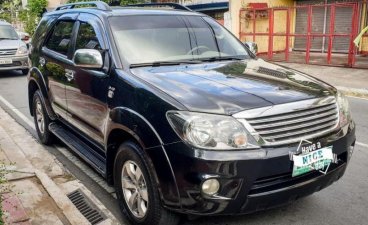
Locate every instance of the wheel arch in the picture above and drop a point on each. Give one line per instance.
(137, 129)
(36, 82)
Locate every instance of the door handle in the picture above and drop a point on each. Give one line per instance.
(69, 75)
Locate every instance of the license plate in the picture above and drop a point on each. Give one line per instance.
(6, 61)
(315, 160)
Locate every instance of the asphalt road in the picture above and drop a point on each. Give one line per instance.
(345, 202)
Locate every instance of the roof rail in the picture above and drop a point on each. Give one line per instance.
(172, 5)
(99, 5)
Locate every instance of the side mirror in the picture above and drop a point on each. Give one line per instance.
(253, 47)
(25, 38)
(88, 58)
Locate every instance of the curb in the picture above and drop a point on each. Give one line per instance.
(353, 92)
(65, 205)
(26, 167)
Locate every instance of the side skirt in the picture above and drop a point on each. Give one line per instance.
(97, 161)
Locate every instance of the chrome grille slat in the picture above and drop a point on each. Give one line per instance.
(302, 126)
(301, 131)
(291, 115)
(6, 52)
(293, 121)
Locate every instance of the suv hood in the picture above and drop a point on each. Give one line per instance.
(230, 87)
(10, 44)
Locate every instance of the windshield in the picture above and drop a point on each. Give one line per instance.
(8, 32)
(152, 38)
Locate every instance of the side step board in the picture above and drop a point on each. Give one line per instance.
(79, 147)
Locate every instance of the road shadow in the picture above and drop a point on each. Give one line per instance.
(11, 73)
(280, 215)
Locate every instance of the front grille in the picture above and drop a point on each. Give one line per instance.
(4, 52)
(295, 125)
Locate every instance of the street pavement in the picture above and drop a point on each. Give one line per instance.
(345, 202)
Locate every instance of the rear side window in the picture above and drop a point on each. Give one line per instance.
(87, 38)
(40, 32)
(60, 39)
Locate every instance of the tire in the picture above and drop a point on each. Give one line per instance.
(130, 155)
(41, 120)
(25, 71)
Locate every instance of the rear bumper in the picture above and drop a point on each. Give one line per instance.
(251, 180)
(19, 63)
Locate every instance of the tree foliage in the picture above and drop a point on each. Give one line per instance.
(36, 6)
(122, 2)
(72, 1)
(12, 11)
(29, 20)
(127, 2)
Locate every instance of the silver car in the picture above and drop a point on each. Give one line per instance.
(13, 51)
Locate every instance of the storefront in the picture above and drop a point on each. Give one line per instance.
(286, 27)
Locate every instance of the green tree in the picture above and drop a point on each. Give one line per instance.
(122, 2)
(8, 9)
(29, 20)
(36, 6)
(72, 1)
(127, 2)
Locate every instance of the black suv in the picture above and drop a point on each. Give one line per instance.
(179, 115)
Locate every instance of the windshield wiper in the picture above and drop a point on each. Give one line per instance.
(164, 63)
(222, 58)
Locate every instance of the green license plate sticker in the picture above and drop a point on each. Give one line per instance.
(315, 160)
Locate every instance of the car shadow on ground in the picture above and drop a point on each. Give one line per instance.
(280, 215)
(11, 73)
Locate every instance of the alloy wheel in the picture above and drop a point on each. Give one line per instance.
(40, 118)
(135, 189)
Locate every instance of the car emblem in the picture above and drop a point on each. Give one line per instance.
(110, 93)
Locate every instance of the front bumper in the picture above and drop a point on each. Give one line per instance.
(18, 63)
(251, 180)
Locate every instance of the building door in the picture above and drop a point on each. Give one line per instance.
(343, 25)
(321, 16)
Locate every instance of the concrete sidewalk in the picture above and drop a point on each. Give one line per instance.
(37, 184)
(353, 82)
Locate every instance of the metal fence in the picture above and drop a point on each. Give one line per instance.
(290, 33)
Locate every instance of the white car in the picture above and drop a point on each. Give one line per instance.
(13, 51)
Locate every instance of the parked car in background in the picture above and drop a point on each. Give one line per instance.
(179, 115)
(13, 51)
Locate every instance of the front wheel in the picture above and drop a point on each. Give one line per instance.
(137, 190)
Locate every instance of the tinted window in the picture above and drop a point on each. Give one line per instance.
(41, 32)
(147, 39)
(87, 38)
(60, 38)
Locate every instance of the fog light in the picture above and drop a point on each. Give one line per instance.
(210, 186)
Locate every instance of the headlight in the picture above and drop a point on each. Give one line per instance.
(344, 110)
(211, 131)
(22, 50)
